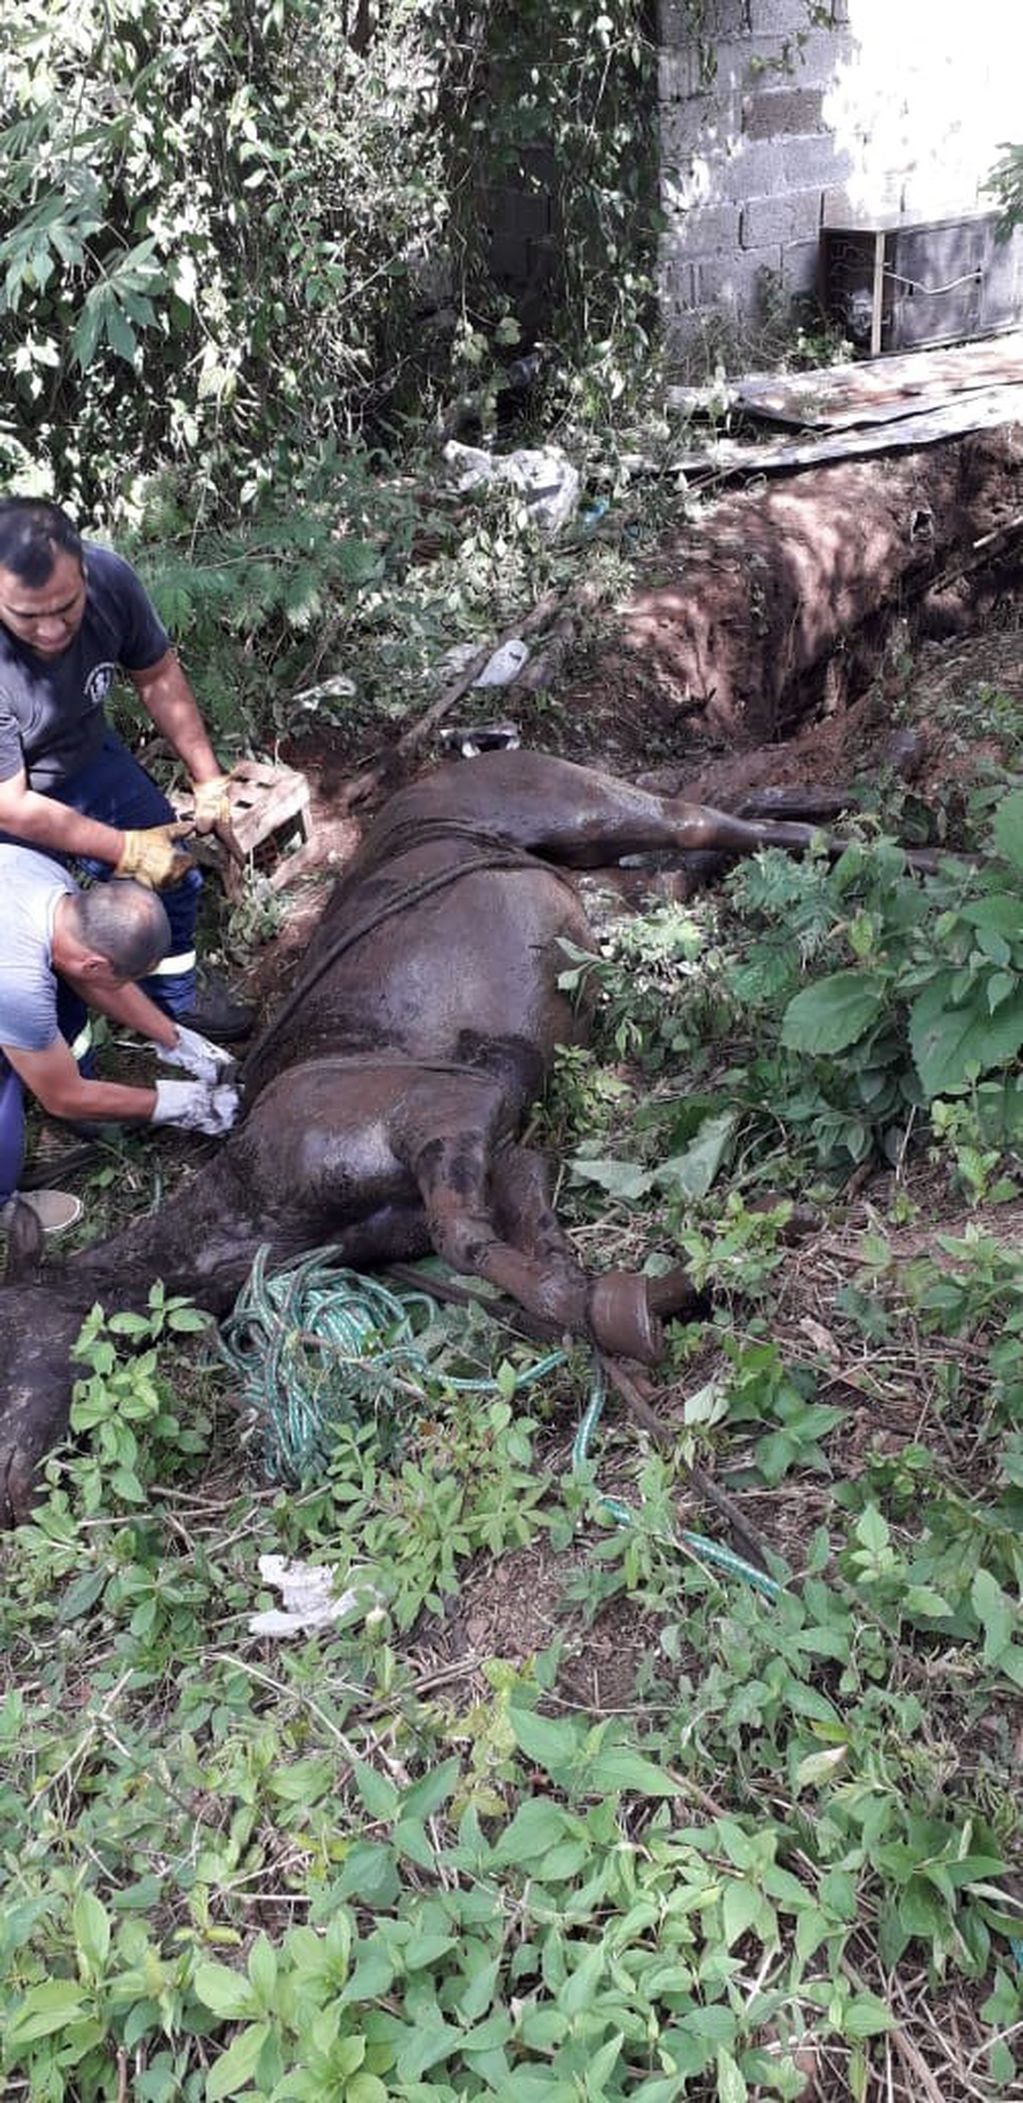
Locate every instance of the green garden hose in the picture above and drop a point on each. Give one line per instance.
(316, 1346)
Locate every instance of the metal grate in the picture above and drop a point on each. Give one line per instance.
(907, 287)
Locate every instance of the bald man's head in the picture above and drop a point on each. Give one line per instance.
(121, 921)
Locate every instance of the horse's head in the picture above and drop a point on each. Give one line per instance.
(37, 1328)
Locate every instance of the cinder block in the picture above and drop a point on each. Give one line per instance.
(736, 281)
(748, 64)
(685, 70)
(819, 57)
(777, 219)
(696, 126)
(812, 163)
(777, 18)
(741, 63)
(774, 113)
(719, 18)
(726, 18)
(704, 231)
(753, 170)
(800, 262)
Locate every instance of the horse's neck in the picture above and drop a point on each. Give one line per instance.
(200, 1244)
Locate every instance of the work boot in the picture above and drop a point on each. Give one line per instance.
(95, 1130)
(215, 1013)
(56, 1210)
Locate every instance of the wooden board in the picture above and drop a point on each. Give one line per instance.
(264, 796)
(725, 457)
(874, 390)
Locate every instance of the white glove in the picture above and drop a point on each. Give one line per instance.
(196, 1106)
(198, 1056)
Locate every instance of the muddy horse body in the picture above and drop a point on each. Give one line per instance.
(384, 1103)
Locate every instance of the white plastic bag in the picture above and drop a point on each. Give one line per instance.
(543, 475)
(308, 1601)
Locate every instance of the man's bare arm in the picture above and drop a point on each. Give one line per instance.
(53, 1078)
(167, 697)
(165, 692)
(126, 1004)
(42, 822)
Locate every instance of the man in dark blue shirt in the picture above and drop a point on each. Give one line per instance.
(72, 615)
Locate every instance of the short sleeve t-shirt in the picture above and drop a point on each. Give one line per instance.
(31, 886)
(51, 710)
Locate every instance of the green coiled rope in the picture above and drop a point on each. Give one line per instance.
(316, 1346)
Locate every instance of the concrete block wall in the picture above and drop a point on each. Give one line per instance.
(773, 123)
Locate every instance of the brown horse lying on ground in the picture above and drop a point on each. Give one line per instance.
(383, 1103)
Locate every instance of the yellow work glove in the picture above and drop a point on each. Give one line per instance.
(154, 857)
(212, 804)
(212, 814)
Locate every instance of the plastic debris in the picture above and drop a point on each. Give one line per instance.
(543, 475)
(505, 665)
(470, 739)
(500, 669)
(308, 1600)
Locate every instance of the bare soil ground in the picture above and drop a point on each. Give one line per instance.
(782, 638)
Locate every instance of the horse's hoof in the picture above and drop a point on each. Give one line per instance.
(621, 1317)
(673, 1293)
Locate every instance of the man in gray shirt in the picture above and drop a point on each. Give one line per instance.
(63, 950)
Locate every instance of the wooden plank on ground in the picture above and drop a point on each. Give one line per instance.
(725, 457)
(874, 390)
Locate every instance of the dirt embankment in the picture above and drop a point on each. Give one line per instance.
(777, 603)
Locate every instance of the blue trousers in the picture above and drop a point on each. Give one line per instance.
(117, 791)
(72, 1015)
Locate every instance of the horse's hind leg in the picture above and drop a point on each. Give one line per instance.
(489, 1215)
(585, 819)
(523, 1202)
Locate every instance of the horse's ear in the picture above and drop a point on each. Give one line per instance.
(24, 1244)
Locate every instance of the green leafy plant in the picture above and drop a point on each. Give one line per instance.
(206, 218)
(791, 1062)
(290, 1872)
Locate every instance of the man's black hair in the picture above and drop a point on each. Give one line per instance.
(124, 922)
(33, 533)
